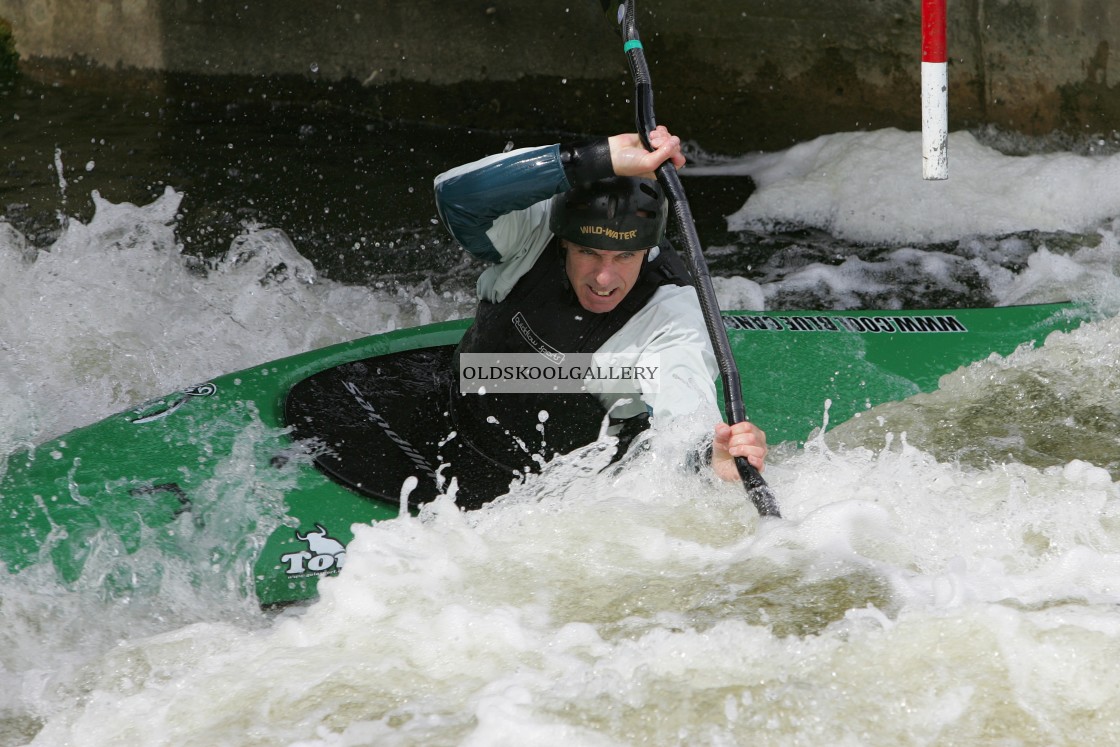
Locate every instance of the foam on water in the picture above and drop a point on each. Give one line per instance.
(934, 579)
(868, 187)
(902, 600)
(114, 314)
(1042, 406)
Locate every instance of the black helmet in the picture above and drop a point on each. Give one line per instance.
(620, 213)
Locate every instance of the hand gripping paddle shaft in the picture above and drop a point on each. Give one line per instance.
(622, 13)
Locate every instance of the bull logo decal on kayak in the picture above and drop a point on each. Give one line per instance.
(324, 554)
(161, 408)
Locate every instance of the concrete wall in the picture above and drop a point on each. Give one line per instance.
(732, 74)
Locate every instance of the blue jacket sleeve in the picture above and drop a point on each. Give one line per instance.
(472, 197)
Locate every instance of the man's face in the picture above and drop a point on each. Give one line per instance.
(601, 279)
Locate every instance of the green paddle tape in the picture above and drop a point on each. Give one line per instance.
(632, 44)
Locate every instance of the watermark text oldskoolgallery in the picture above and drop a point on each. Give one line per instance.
(532, 373)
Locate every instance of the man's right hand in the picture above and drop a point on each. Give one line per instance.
(629, 156)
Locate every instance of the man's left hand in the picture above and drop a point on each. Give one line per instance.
(739, 440)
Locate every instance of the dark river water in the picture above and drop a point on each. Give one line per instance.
(342, 184)
(351, 190)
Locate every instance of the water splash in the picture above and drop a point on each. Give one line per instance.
(114, 313)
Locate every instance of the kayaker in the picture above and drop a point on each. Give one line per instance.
(575, 235)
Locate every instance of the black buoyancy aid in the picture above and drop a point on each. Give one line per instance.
(542, 314)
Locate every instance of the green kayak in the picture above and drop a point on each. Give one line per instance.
(331, 435)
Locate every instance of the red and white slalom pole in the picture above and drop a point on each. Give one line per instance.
(935, 92)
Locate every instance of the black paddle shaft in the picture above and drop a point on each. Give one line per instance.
(624, 14)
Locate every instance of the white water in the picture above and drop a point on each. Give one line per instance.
(913, 593)
(868, 187)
